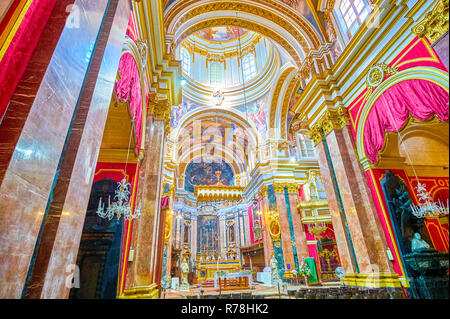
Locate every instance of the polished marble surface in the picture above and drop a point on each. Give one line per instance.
(28, 180)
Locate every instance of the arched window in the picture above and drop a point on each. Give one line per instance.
(351, 14)
(215, 73)
(185, 61)
(306, 147)
(249, 66)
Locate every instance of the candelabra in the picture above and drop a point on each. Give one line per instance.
(121, 206)
(317, 229)
(426, 208)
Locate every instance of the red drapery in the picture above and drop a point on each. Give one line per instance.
(419, 98)
(20, 50)
(128, 89)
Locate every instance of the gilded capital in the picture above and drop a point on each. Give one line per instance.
(332, 119)
(279, 188)
(293, 188)
(435, 23)
(162, 111)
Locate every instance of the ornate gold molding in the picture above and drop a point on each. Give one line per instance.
(435, 23)
(332, 119)
(291, 187)
(168, 227)
(271, 10)
(162, 111)
(273, 222)
(150, 292)
(376, 75)
(279, 188)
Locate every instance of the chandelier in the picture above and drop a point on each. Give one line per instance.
(218, 97)
(318, 229)
(121, 206)
(426, 208)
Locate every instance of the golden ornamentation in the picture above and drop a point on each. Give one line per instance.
(332, 119)
(283, 145)
(243, 23)
(435, 23)
(298, 125)
(220, 192)
(168, 227)
(274, 226)
(162, 111)
(150, 292)
(376, 75)
(279, 188)
(269, 9)
(292, 188)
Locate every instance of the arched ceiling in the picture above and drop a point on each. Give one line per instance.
(294, 32)
(215, 132)
(278, 21)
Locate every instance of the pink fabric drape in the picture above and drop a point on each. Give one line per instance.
(164, 202)
(128, 89)
(419, 98)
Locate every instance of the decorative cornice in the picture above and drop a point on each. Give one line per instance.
(291, 187)
(332, 119)
(435, 23)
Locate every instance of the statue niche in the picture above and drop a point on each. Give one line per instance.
(398, 200)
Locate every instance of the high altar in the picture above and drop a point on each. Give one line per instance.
(207, 269)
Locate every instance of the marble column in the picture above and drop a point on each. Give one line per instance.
(246, 229)
(286, 241)
(299, 231)
(61, 234)
(146, 230)
(41, 135)
(367, 238)
(194, 234)
(223, 237)
(241, 229)
(236, 236)
(182, 222)
(267, 240)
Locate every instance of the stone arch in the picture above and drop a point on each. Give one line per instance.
(231, 115)
(280, 97)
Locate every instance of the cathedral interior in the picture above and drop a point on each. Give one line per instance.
(167, 149)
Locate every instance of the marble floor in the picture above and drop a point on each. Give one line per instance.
(257, 290)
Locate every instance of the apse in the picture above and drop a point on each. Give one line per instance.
(203, 172)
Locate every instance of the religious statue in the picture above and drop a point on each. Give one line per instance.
(418, 244)
(184, 276)
(274, 269)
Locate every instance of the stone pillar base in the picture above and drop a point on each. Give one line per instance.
(151, 292)
(373, 280)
